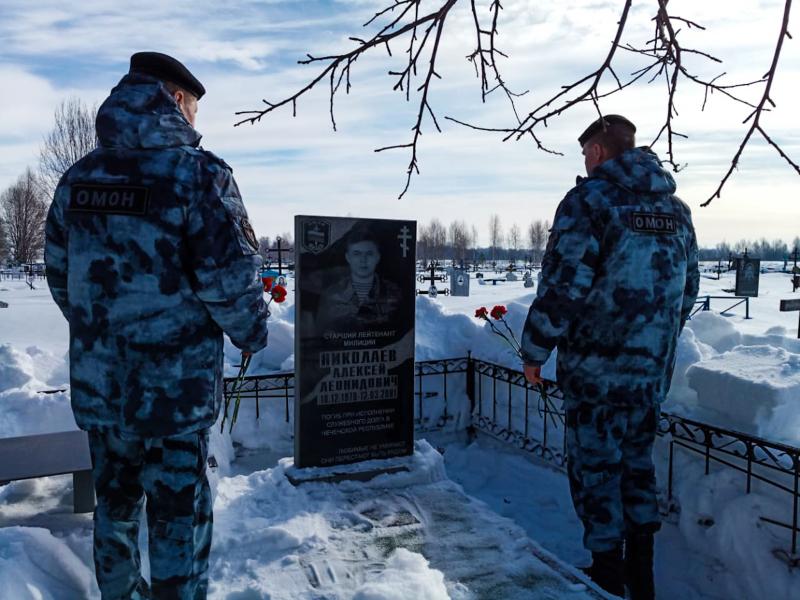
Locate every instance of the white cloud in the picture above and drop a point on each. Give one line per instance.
(245, 51)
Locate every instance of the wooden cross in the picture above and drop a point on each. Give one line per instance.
(791, 306)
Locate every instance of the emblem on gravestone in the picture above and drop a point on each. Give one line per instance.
(316, 236)
(460, 279)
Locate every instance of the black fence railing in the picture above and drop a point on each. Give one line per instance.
(502, 404)
(509, 408)
(703, 303)
(433, 382)
(765, 465)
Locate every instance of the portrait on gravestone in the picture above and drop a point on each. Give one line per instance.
(354, 339)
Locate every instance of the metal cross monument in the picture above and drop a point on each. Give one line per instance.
(433, 278)
(280, 251)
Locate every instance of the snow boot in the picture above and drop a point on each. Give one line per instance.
(639, 566)
(607, 571)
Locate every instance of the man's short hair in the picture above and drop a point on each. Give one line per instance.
(172, 88)
(361, 234)
(614, 132)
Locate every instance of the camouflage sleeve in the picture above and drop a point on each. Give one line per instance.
(568, 269)
(692, 288)
(55, 253)
(225, 263)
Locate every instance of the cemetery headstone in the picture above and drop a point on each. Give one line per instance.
(280, 250)
(510, 276)
(433, 278)
(748, 271)
(527, 279)
(354, 339)
(459, 282)
(791, 306)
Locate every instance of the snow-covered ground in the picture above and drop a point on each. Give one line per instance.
(421, 534)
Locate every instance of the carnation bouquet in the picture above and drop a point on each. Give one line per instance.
(277, 294)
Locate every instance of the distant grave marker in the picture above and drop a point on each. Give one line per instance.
(748, 271)
(459, 279)
(280, 250)
(792, 306)
(527, 279)
(432, 291)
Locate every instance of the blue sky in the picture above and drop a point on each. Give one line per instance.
(246, 51)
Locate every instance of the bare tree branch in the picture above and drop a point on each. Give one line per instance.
(664, 55)
(755, 116)
(339, 68)
(72, 137)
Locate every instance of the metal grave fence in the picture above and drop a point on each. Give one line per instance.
(502, 404)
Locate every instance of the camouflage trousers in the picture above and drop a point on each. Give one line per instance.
(611, 474)
(170, 473)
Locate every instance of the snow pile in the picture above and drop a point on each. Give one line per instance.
(35, 565)
(718, 520)
(690, 350)
(407, 575)
(441, 333)
(715, 331)
(24, 376)
(751, 388)
(16, 368)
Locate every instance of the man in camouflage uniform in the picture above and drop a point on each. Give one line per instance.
(150, 257)
(619, 279)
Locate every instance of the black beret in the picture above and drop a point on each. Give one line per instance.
(601, 124)
(165, 68)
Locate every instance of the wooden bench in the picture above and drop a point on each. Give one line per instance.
(33, 456)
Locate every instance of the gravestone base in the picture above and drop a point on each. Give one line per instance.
(297, 476)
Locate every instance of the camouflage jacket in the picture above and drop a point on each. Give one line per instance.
(619, 279)
(150, 257)
(340, 307)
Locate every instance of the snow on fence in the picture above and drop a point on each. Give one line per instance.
(468, 394)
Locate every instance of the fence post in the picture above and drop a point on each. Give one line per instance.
(669, 477)
(747, 308)
(795, 502)
(470, 373)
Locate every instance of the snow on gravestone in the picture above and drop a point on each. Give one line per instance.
(354, 340)
(755, 389)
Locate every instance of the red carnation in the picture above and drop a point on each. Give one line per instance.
(481, 313)
(498, 312)
(278, 293)
(267, 283)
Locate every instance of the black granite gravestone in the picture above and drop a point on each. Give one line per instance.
(354, 339)
(748, 271)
